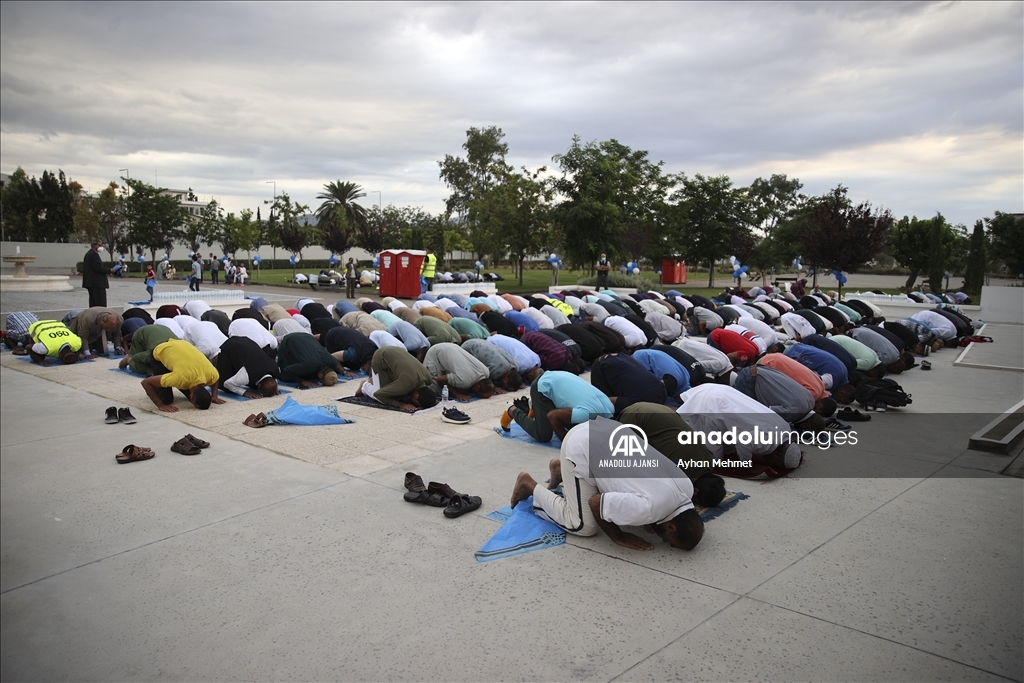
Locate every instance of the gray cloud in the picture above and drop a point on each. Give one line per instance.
(915, 106)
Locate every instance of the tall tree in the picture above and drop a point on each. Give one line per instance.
(246, 232)
(339, 216)
(836, 235)
(977, 260)
(1006, 231)
(154, 218)
(928, 246)
(382, 229)
(773, 201)
(102, 216)
(22, 202)
(709, 219)
(514, 213)
(207, 227)
(604, 188)
(291, 231)
(469, 178)
(56, 211)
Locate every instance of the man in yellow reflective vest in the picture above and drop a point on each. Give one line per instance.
(53, 339)
(428, 269)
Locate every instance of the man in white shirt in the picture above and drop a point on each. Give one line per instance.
(634, 336)
(591, 502)
(796, 326)
(718, 408)
(713, 361)
(248, 327)
(206, 337)
(762, 330)
(542, 320)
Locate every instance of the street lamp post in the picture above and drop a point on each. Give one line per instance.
(273, 259)
(377, 192)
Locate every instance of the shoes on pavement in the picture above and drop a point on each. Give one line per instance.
(111, 418)
(455, 416)
(125, 415)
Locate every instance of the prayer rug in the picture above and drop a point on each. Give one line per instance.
(518, 434)
(221, 394)
(522, 532)
(370, 403)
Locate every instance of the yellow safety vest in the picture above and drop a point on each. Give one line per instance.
(565, 308)
(54, 335)
(429, 265)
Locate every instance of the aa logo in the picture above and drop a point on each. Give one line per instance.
(628, 441)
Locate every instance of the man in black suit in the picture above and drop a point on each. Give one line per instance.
(94, 275)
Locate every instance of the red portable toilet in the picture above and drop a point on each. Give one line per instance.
(673, 272)
(400, 272)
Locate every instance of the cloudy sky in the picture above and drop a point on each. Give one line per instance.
(917, 107)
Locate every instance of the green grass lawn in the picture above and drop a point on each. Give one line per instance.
(533, 281)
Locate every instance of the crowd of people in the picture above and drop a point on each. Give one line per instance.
(761, 359)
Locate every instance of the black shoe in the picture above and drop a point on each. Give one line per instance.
(455, 416)
(111, 418)
(125, 415)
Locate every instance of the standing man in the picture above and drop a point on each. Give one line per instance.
(197, 273)
(351, 277)
(428, 269)
(214, 270)
(603, 266)
(94, 275)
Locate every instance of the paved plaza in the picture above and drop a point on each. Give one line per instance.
(287, 553)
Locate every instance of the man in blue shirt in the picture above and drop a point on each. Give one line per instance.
(662, 365)
(559, 400)
(831, 370)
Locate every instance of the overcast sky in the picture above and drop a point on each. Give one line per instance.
(916, 107)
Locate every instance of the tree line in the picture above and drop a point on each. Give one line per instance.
(597, 197)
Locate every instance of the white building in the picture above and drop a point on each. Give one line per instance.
(189, 200)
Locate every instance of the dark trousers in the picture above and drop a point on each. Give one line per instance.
(602, 279)
(193, 284)
(215, 277)
(97, 296)
(430, 284)
(350, 287)
(537, 426)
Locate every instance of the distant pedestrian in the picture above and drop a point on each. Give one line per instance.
(150, 280)
(94, 275)
(197, 273)
(351, 277)
(603, 266)
(214, 270)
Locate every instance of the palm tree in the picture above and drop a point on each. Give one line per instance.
(339, 215)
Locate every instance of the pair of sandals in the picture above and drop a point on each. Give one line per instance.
(133, 453)
(255, 421)
(189, 445)
(437, 495)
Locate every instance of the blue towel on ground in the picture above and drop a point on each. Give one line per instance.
(292, 413)
(518, 434)
(522, 532)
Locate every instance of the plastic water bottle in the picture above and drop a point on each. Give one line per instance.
(444, 395)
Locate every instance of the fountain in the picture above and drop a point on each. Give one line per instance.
(22, 282)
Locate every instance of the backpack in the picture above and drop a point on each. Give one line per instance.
(882, 391)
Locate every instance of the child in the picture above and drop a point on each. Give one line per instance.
(150, 280)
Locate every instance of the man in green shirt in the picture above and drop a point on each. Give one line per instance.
(398, 379)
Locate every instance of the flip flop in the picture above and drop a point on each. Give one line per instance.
(198, 443)
(133, 453)
(418, 493)
(185, 447)
(460, 504)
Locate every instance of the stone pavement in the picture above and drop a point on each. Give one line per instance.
(243, 563)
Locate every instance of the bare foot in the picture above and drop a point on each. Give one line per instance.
(555, 468)
(525, 484)
(633, 542)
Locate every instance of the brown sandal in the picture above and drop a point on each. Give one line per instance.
(133, 453)
(256, 421)
(199, 443)
(185, 447)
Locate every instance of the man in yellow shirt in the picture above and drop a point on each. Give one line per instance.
(188, 370)
(53, 339)
(428, 269)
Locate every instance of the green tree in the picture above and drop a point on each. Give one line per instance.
(155, 219)
(836, 235)
(246, 232)
(607, 188)
(1006, 232)
(514, 213)
(339, 216)
(58, 219)
(206, 228)
(102, 216)
(977, 260)
(293, 233)
(930, 246)
(773, 201)
(708, 220)
(22, 202)
(470, 178)
(383, 228)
